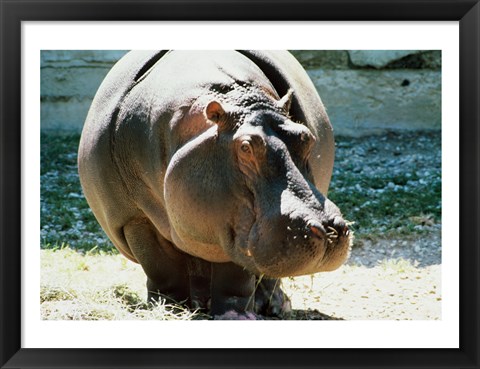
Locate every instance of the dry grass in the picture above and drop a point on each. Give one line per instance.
(94, 286)
(99, 286)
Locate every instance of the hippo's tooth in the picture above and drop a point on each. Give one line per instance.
(332, 229)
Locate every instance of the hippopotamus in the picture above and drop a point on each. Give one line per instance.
(210, 169)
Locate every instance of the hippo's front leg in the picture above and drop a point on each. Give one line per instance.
(270, 300)
(233, 292)
(164, 266)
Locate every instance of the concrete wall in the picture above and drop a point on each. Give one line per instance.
(69, 80)
(370, 91)
(364, 91)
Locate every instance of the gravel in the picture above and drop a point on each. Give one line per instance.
(422, 252)
(387, 168)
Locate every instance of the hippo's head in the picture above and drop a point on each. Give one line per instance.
(243, 191)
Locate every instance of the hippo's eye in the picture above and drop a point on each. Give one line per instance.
(246, 147)
(305, 137)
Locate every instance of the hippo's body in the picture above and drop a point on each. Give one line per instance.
(210, 169)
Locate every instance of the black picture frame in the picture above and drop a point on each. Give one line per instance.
(12, 355)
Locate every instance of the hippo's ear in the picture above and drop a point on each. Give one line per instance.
(216, 113)
(286, 101)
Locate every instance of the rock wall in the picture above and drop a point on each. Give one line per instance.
(364, 91)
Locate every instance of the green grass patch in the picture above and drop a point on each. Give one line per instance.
(66, 217)
(385, 191)
(389, 213)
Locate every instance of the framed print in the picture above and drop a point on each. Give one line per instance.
(430, 64)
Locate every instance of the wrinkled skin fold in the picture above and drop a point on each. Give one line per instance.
(210, 169)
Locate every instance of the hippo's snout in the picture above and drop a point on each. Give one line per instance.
(306, 245)
(325, 245)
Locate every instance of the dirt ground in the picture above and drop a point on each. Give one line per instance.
(387, 279)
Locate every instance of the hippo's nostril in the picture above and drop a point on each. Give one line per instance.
(317, 232)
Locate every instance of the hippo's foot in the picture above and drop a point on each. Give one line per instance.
(155, 296)
(235, 315)
(270, 300)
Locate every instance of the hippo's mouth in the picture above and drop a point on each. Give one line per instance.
(336, 253)
(308, 250)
